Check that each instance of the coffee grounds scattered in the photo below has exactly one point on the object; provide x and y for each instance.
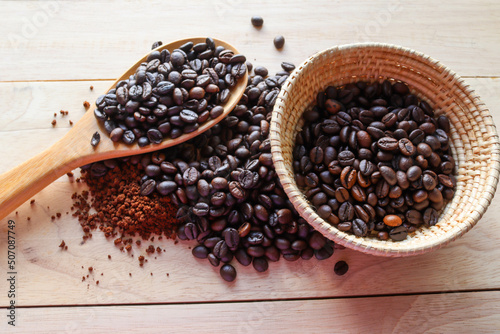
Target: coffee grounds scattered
(113, 205)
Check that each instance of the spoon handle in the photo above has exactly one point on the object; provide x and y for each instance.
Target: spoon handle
(24, 181)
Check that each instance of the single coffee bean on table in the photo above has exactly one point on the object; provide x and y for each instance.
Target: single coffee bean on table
(172, 93)
(389, 166)
(279, 42)
(257, 21)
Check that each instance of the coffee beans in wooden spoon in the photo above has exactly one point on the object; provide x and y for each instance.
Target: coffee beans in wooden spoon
(75, 148)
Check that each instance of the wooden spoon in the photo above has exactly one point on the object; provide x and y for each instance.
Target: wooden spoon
(74, 149)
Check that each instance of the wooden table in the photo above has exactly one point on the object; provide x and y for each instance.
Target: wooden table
(51, 53)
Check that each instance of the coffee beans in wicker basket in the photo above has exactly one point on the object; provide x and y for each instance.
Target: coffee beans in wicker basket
(373, 159)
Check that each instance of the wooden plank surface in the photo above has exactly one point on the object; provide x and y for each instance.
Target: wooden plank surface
(70, 41)
(51, 67)
(477, 312)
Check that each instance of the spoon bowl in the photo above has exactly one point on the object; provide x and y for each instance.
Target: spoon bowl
(74, 149)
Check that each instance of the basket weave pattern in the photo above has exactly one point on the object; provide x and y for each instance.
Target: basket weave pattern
(475, 143)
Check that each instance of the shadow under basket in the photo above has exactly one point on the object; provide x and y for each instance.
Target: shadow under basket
(474, 140)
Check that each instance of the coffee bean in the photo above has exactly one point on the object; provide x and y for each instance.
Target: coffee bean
(316, 240)
(190, 176)
(359, 227)
(220, 249)
(257, 21)
(444, 123)
(237, 190)
(333, 107)
(148, 187)
(341, 268)
(398, 233)
(392, 220)
(413, 173)
(228, 273)
(279, 41)
(191, 231)
(200, 252)
(420, 196)
(346, 211)
(260, 264)
(316, 155)
(289, 67)
(232, 237)
(325, 252)
(430, 217)
(406, 147)
(389, 175)
(387, 144)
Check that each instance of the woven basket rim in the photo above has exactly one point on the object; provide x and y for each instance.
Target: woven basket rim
(368, 245)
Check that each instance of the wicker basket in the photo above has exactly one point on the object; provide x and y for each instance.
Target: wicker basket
(475, 144)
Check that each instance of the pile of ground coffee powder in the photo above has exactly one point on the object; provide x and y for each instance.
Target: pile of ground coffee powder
(114, 205)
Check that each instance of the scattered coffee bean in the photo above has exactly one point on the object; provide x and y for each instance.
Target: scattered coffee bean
(341, 268)
(257, 21)
(228, 273)
(279, 42)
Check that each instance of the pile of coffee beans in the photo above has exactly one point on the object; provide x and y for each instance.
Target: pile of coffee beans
(171, 93)
(229, 196)
(373, 159)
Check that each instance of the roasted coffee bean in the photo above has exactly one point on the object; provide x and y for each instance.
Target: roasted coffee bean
(148, 187)
(406, 147)
(346, 158)
(316, 155)
(228, 273)
(392, 220)
(382, 189)
(435, 196)
(430, 217)
(279, 41)
(398, 233)
(346, 211)
(414, 217)
(191, 176)
(200, 252)
(413, 173)
(232, 237)
(260, 264)
(388, 174)
(444, 123)
(359, 227)
(341, 268)
(316, 240)
(344, 226)
(342, 194)
(323, 253)
(420, 196)
(237, 190)
(387, 144)
(363, 139)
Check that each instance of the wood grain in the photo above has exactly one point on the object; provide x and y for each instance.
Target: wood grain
(52, 51)
(477, 312)
(45, 265)
(68, 34)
